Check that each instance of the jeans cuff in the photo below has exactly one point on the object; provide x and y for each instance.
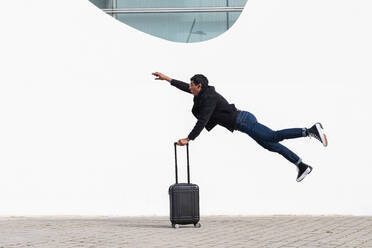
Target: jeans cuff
(304, 132)
(299, 162)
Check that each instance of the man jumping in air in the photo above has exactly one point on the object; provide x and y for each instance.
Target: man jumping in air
(210, 108)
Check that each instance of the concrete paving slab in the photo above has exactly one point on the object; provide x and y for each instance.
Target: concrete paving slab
(216, 231)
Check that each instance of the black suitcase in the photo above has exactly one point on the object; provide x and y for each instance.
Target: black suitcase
(184, 199)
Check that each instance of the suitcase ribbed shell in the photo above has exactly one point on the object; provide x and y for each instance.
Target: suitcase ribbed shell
(184, 203)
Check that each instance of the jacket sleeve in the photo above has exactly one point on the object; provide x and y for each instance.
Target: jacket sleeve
(204, 116)
(180, 85)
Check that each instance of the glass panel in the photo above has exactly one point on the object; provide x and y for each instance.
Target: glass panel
(102, 4)
(232, 17)
(236, 3)
(179, 27)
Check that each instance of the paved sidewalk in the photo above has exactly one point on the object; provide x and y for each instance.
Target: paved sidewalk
(216, 232)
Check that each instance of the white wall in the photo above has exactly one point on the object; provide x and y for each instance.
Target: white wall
(84, 128)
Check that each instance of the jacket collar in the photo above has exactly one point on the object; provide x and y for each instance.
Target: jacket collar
(203, 90)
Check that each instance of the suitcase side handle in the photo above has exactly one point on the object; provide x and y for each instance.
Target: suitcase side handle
(188, 163)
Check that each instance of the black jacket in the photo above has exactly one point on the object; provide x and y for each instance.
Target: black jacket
(210, 108)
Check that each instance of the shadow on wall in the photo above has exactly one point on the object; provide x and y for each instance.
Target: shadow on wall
(179, 21)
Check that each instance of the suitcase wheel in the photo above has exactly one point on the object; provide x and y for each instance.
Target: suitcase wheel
(197, 225)
(175, 226)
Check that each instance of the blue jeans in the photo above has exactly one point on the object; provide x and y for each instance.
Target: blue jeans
(267, 138)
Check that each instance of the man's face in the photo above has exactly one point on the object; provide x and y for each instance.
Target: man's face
(195, 89)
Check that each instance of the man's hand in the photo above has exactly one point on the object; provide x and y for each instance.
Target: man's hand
(160, 76)
(183, 142)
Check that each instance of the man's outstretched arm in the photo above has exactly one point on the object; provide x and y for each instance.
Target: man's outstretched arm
(161, 76)
(176, 83)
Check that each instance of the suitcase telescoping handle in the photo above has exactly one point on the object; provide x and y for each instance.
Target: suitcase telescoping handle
(188, 166)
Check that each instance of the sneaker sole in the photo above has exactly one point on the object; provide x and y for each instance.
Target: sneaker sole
(306, 172)
(323, 137)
